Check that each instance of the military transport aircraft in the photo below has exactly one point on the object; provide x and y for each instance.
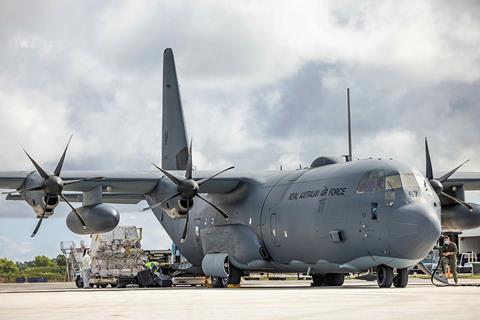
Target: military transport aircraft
(336, 217)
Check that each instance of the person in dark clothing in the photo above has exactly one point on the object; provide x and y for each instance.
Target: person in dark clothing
(449, 257)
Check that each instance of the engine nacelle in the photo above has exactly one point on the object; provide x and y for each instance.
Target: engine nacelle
(98, 218)
(50, 203)
(185, 204)
(38, 201)
(457, 217)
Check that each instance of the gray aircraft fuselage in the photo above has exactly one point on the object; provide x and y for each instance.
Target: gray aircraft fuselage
(343, 217)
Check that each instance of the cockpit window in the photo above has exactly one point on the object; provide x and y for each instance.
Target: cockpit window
(372, 181)
(393, 182)
(401, 180)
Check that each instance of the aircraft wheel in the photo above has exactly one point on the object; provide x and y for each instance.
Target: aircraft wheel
(219, 282)
(318, 280)
(334, 279)
(384, 276)
(234, 278)
(235, 275)
(79, 282)
(401, 279)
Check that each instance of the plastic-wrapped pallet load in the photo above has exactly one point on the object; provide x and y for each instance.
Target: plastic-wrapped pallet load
(117, 253)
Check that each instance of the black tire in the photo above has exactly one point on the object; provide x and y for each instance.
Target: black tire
(79, 282)
(219, 282)
(103, 285)
(384, 276)
(91, 285)
(401, 279)
(334, 279)
(318, 280)
(235, 275)
(113, 285)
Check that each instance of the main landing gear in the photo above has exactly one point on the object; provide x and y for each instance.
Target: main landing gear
(386, 277)
(234, 278)
(329, 279)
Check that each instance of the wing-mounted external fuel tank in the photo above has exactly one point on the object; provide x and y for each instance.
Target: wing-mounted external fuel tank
(98, 218)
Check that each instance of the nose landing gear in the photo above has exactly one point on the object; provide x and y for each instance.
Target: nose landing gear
(401, 279)
(385, 277)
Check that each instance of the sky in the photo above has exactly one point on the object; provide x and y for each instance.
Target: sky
(262, 82)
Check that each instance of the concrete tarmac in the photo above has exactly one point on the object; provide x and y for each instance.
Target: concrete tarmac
(254, 300)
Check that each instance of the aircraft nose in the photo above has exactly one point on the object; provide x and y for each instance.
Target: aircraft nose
(414, 229)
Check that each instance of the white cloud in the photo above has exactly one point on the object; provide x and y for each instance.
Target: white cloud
(14, 249)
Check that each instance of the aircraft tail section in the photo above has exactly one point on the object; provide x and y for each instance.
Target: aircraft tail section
(174, 134)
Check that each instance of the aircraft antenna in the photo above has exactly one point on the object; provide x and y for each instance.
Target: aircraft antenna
(349, 127)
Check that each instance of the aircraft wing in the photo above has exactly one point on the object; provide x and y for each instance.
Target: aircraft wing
(469, 180)
(118, 187)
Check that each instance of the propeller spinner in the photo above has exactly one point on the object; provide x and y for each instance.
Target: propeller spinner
(188, 189)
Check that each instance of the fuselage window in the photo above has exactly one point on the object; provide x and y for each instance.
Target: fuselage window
(372, 181)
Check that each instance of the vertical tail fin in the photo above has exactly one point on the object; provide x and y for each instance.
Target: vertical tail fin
(174, 135)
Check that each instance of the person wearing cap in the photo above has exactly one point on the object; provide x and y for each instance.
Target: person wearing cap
(449, 257)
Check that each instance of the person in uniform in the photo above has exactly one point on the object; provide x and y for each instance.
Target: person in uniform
(449, 257)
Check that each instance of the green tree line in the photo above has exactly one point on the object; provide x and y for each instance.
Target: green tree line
(41, 267)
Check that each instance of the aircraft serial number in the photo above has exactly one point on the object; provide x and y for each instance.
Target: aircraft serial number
(315, 193)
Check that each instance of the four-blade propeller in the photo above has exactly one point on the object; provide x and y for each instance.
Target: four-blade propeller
(187, 190)
(437, 183)
(52, 185)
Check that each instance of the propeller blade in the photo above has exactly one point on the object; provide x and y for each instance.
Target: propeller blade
(448, 174)
(216, 174)
(185, 230)
(188, 172)
(75, 210)
(38, 225)
(429, 172)
(37, 166)
(446, 195)
(23, 190)
(58, 169)
(161, 202)
(169, 175)
(214, 206)
(66, 183)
